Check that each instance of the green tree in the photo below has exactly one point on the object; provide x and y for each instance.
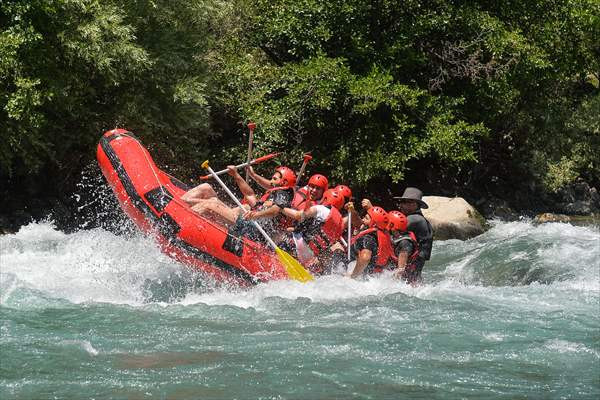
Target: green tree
(486, 93)
(73, 68)
(376, 88)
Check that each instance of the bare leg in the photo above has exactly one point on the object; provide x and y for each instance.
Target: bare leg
(201, 192)
(216, 206)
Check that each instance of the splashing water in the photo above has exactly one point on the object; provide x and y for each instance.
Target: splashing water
(512, 313)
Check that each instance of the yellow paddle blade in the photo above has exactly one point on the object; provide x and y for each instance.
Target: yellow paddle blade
(294, 269)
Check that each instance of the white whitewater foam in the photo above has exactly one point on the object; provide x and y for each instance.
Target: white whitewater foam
(327, 289)
(36, 232)
(83, 344)
(98, 266)
(564, 346)
(86, 266)
(557, 250)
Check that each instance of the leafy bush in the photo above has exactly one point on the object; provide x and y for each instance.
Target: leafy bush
(377, 90)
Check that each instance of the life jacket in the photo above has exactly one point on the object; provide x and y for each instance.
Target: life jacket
(265, 196)
(301, 199)
(411, 266)
(426, 242)
(328, 232)
(384, 246)
(281, 221)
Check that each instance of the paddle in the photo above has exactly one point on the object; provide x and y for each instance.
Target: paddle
(251, 127)
(294, 269)
(307, 158)
(252, 162)
(349, 228)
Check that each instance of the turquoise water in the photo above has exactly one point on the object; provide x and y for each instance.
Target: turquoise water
(514, 313)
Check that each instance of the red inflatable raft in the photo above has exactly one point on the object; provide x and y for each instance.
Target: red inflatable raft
(152, 199)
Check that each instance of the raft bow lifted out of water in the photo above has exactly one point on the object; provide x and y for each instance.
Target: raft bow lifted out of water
(152, 199)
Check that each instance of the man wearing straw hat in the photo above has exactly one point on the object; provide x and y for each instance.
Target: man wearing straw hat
(410, 204)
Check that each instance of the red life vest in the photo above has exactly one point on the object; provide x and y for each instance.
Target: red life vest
(384, 245)
(301, 199)
(330, 232)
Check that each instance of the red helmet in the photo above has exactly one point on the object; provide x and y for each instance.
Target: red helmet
(333, 198)
(398, 221)
(379, 217)
(288, 175)
(319, 181)
(344, 191)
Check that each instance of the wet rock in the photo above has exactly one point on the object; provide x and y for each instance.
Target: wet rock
(549, 217)
(580, 220)
(578, 198)
(453, 218)
(496, 208)
(5, 225)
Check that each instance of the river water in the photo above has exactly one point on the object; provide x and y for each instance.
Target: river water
(513, 313)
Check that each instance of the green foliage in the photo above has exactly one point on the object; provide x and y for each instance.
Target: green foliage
(376, 89)
(560, 174)
(348, 88)
(73, 68)
(578, 147)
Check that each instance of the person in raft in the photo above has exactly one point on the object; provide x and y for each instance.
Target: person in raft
(338, 255)
(317, 229)
(372, 247)
(198, 194)
(405, 247)
(348, 210)
(205, 191)
(346, 193)
(312, 193)
(266, 209)
(410, 204)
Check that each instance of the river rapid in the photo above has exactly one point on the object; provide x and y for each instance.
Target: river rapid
(513, 313)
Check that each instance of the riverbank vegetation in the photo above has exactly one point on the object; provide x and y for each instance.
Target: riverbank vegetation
(480, 99)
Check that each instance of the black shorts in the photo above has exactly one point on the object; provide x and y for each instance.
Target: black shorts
(246, 228)
(412, 274)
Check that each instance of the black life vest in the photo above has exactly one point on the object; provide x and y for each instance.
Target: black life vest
(281, 221)
(384, 246)
(412, 258)
(265, 196)
(414, 264)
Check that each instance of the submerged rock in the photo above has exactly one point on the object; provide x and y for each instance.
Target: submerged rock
(581, 220)
(549, 217)
(453, 218)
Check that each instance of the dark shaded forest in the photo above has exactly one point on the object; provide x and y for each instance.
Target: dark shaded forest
(494, 101)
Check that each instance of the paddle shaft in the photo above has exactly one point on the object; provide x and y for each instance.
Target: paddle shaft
(307, 158)
(349, 232)
(251, 126)
(242, 165)
(230, 193)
